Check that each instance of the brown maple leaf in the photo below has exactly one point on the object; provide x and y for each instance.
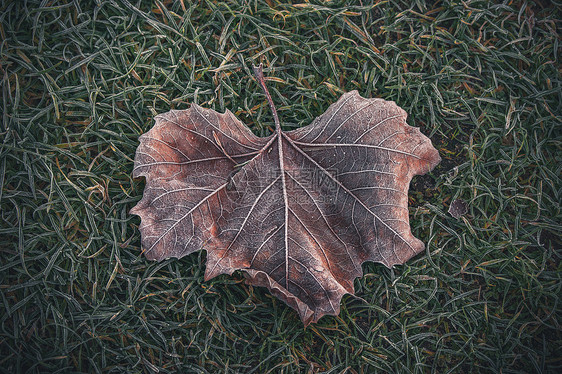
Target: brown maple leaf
(298, 211)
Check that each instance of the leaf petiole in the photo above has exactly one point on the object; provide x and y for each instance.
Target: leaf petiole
(258, 72)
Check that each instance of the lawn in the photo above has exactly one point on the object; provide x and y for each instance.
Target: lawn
(82, 80)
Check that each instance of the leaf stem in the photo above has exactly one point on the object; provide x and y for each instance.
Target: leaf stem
(258, 72)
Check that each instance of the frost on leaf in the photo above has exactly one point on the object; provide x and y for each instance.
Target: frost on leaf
(298, 211)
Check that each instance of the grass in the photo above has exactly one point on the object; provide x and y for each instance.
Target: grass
(80, 82)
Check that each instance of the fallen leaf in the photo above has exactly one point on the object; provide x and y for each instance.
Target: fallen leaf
(298, 211)
(458, 208)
